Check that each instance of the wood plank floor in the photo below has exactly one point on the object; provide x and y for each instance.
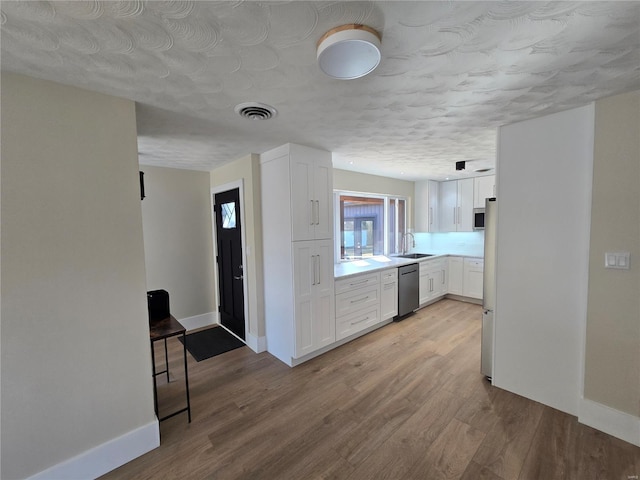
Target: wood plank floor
(404, 402)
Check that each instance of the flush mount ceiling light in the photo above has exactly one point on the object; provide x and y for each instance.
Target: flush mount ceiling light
(255, 111)
(349, 51)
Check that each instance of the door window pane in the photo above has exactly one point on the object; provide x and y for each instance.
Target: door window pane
(228, 211)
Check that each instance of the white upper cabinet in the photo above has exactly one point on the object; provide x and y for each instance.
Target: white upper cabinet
(426, 206)
(483, 188)
(311, 189)
(456, 205)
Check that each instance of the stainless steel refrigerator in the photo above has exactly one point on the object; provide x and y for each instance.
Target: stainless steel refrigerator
(488, 286)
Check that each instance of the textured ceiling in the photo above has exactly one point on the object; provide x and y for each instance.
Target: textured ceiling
(451, 72)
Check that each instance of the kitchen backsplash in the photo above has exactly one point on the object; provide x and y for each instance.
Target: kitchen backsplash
(454, 243)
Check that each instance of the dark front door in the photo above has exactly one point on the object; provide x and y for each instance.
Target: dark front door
(229, 261)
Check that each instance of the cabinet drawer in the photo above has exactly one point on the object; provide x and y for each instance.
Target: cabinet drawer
(436, 264)
(474, 263)
(359, 281)
(350, 324)
(389, 275)
(356, 300)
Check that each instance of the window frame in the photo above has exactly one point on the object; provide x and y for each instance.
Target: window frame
(385, 218)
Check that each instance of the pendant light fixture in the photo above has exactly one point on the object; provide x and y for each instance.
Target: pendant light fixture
(349, 51)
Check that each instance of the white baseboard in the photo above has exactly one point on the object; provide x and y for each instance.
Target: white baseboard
(609, 420)
(106, 457)
(199, 321)
(257, 344)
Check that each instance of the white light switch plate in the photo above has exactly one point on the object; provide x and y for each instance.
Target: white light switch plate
(616, 260)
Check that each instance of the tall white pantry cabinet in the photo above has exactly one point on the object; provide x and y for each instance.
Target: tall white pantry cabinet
(297, 230)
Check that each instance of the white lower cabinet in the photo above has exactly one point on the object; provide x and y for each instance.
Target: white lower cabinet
(425, 286)
(358, 299)
(357, 321)
(473, 277)
(357, 304)
(389, 293)
(314, 323)
(456, 275)
(433, 279)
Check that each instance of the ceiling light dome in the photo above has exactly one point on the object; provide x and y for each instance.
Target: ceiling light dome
(349, 51)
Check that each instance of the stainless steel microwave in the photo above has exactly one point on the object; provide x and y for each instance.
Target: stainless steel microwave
(478, 218)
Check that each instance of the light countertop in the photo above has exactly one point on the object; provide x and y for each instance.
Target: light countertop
(373, 264)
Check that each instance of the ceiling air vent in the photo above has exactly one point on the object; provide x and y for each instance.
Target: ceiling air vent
(255, 111)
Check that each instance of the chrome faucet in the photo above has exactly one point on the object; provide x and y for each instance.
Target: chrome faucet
(404, 241)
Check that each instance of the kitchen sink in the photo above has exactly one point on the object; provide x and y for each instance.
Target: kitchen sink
(415, 255)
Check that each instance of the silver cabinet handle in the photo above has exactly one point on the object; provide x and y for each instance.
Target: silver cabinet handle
(459, 215)
(313, 257)
(318, 267)
(317, 212)
(430, 215)
(312, 216)
(360, 321)
(360, 299)
(240, 277)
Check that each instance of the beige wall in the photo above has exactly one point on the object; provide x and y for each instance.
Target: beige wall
(362, 182)
(76, 368)
(612, 356)
(176, 219)
(247, 169)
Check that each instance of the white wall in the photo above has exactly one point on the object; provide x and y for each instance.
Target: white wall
(612, 357)
(544, 198)
(176, 219)
(77, 396)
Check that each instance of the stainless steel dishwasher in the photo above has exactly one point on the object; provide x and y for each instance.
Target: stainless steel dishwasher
(408, 290)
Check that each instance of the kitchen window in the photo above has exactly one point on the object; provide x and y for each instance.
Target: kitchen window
(369, 225)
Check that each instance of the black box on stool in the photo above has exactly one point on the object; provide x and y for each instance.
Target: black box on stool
(158, 304)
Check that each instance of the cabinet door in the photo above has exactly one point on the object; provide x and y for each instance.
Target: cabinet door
(389, 294)
(456, 269)
(473, 277)
(311, 198)
(305, 272)
(441, 274)
(303, 206)
(324, 315)
(424, 288)
(465, 205)
(434, 189)
(322, 198)
(448, 211)
(314, 322)
(422, 206)
(483, 188)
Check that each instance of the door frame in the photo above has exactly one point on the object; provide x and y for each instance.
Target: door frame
(239, 184)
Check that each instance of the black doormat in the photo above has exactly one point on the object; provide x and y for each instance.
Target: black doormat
(211, 342)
